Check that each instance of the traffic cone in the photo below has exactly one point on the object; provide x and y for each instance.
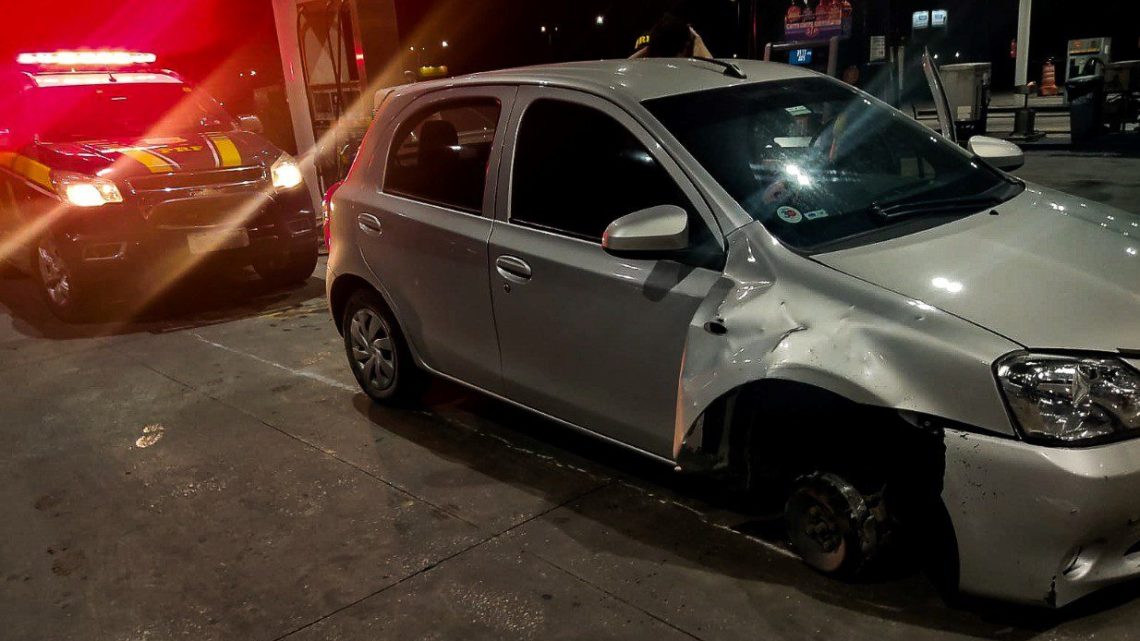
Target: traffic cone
(1049, 79)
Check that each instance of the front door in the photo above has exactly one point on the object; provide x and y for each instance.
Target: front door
(585, 336)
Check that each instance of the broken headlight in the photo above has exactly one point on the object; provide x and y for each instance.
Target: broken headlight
(1071, 399)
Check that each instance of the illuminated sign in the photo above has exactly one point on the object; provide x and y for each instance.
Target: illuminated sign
(831, 18)
(939, 18)
(800, 57)
(920, 20)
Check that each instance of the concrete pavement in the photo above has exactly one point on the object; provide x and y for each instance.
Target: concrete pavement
(211, 472)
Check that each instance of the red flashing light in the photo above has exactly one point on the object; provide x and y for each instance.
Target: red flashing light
(96, 58)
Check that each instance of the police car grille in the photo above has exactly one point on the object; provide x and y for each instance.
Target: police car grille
(216, 179)
(235, 210)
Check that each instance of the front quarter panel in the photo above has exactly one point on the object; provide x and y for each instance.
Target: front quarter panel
(790, 318)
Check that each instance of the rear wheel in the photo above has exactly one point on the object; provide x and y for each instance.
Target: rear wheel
(67, 293)
(288, 268)
(377, 352)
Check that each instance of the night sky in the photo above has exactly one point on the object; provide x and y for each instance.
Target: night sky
(201, 39)
(214, 41)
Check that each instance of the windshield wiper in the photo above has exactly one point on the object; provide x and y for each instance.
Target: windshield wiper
(893, 210)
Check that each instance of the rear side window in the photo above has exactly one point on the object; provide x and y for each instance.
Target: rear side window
(440, 155)
(577, 170)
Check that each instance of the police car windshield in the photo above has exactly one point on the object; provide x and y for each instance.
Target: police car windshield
(69, 113)
(822, 166)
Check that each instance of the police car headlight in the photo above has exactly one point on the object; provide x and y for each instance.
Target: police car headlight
(1071, 399)
(286, 173)
(85, 191)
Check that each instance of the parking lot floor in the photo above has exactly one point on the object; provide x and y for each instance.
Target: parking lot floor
(211, 471)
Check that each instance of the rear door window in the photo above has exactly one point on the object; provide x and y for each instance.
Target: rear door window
(440, 154)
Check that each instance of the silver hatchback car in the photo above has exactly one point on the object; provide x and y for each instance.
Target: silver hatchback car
(758, 272)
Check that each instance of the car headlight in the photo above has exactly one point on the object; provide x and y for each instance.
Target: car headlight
(1070, 399)
(81, 190)
(286, 173)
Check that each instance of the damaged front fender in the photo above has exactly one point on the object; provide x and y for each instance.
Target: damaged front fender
(775, 315)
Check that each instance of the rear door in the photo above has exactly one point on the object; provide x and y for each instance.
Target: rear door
(424, 230)
(585, 336)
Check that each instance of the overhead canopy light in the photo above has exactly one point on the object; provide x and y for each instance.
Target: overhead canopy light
(97, 58)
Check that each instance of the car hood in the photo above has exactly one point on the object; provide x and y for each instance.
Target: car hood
(1049, 271)
(159, 154)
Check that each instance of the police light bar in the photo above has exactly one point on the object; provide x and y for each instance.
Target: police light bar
(101, 58)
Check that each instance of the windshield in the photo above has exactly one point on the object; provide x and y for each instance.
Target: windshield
(815, 161)
(110, 111)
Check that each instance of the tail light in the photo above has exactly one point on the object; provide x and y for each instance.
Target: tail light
(327, 209)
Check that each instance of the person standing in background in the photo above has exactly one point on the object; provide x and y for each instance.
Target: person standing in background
(672, 37)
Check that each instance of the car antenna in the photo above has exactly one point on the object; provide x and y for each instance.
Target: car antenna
(730, 69)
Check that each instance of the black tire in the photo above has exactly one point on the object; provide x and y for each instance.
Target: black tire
(288, 268)
(69, 295)
(377, 352)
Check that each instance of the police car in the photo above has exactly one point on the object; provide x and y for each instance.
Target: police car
(113, 170)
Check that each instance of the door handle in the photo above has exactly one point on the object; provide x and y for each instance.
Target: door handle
(370, 224)
(513, 268)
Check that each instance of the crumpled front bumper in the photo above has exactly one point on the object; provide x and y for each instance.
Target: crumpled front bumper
(1042, 525)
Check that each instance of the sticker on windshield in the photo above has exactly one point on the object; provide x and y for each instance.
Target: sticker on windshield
(812, 215)
(798, 110)
(789, 215)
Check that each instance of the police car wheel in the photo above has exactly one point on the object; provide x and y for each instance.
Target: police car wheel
(289, 268)
(65, 292)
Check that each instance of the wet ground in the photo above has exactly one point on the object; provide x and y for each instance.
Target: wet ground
(212, 472)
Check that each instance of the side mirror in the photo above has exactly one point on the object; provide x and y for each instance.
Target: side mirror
(251, 124)
(1000, 153)
(648, 233)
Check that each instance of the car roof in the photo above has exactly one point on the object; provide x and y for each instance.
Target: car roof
(638, 79)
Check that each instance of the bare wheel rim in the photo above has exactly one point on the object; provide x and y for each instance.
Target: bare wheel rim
(816, 532)
(54, 272)
(373, 354)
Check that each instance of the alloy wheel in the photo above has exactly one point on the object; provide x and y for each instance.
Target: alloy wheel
(54, 273)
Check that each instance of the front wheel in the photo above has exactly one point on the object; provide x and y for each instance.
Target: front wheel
(288, 268)
(377, 352)
(67, 293)
(835, 528)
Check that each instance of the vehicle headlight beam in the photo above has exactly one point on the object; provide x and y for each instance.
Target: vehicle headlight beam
(286, 173)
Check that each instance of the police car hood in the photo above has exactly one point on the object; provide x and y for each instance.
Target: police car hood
(161, 154)
(1049, 271)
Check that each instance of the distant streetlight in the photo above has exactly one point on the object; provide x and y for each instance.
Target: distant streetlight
(542, 28)
(443, 44)
(600, 20)
(253, 72)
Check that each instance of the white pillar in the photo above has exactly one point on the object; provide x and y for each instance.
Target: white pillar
(1021, 75)
(285, 15)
